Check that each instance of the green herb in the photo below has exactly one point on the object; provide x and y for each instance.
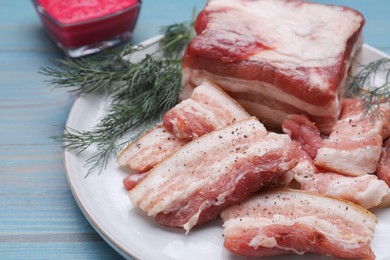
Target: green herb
(372, 85)
(141, 91)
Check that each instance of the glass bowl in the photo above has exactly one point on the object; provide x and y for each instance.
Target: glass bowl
(89, 36)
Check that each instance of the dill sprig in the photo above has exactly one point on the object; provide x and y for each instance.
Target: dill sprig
(372, 85)
(140, 92)
(103, 73)
(177, 36)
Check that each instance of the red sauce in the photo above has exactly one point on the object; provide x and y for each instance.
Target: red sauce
(73, 11)
(79, 23)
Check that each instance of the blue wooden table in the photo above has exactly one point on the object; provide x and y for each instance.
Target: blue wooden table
(39, 218)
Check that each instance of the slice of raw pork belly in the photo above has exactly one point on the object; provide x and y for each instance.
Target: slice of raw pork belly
(292, 221)
(213, 172)
(355, 144)
(209, 108)
(365, 190)
(149, 149)
(275, 57)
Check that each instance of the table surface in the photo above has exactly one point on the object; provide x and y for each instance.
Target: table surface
(39, 217)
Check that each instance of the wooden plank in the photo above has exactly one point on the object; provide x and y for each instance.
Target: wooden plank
(58, 250)
(39, 218)
(35, 196)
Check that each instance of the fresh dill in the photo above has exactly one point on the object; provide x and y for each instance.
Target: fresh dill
(372, 85)
(141, 92)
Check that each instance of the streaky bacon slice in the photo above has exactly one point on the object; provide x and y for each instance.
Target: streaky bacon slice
(365, 190)
(212, 172)
(149, 149)
(354, 146)
(208, 109)
(293, 221)
(383, 169)
(275, 69)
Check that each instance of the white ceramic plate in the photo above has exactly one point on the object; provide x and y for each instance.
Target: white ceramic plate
(105, 203)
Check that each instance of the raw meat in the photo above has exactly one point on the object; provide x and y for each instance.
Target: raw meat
(301, 129)
(292, 221)
(383, 169)
(208, 109)
(384, 114)
(275, 57)
(212, 172)
(365, 190)
(355, 144)
(132, 180)
(148, 150)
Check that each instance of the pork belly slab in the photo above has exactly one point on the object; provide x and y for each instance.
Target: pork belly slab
(212, 172)
(209, 108)
(292, 221)
(275, 57)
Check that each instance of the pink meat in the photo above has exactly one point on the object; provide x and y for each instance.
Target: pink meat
(296, 238)
(354, 145)
(275, 69)
(209, 108)
(365, 190)
(130, 181)
(385, 117)
(240, 182)
(188, 120)
(301, 129)
(292, 221)
(215, 171)
(352, 107)
(383, 169)
(149, 149)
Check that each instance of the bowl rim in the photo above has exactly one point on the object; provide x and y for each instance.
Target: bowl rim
(41, 11)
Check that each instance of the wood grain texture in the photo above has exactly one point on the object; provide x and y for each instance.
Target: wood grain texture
(39, 219)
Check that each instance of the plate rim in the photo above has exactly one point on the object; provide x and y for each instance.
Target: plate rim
(88, 215)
